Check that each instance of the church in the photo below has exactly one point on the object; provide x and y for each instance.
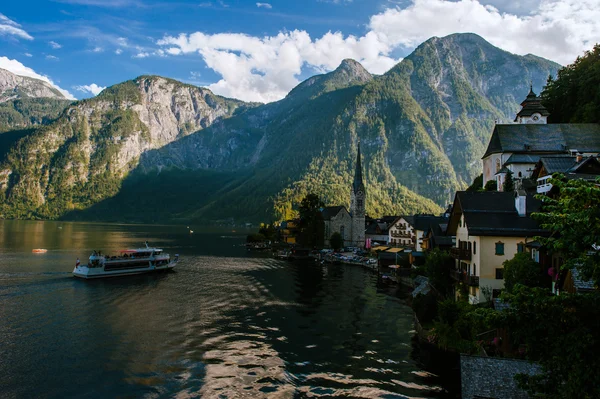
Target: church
(351, 225)
(518, 147)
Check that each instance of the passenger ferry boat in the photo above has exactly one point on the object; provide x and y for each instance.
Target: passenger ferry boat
(129, 261)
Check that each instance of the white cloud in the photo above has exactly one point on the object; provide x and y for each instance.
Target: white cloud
(17, 68)
(559, 29)
(93, 88)
(28, 54)
(97, 49)
(266, 68)
(264, 5)
(54, 45)
(141, 54)
(52, 57)
(118, 51)
(8, 27)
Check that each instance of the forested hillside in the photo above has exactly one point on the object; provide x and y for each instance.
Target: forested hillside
(574, 95)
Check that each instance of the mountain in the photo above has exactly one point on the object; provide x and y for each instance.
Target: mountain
(26, 102)
(14, 87)
(152, 141)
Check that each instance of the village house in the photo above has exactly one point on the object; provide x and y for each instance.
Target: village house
(490, 228)
(377, 231)
(518, 147)
(578, 167)
(409, 231)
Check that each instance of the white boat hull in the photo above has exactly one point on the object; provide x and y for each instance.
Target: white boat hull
(82, 271)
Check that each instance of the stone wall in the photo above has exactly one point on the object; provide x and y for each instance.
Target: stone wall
(489, 377)
(344, 219)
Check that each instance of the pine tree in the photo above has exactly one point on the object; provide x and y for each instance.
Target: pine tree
(509, 183)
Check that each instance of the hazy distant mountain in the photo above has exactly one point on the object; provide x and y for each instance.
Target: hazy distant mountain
(156, 149)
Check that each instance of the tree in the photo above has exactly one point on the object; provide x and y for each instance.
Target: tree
(477, 184)
(573, 219)
(312, 227)
(574, 96)
(336, 241)
(509, 183)
(523, 270)
(438, 265)
(491, 185)
(562, 334)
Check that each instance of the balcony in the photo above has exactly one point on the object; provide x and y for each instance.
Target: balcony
(473, 281)
(460, 253)
(462, 277)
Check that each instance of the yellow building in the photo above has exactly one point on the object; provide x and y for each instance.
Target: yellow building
(490, 228)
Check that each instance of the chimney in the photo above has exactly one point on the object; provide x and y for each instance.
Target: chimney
(521, 202)
(579, 157)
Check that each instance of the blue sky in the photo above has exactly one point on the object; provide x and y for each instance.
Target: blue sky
(260, 50)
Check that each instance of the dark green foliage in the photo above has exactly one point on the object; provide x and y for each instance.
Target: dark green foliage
(562, 334)
(438, 265)
(268, 231)
(509, 183)
(491, 185)
(574, 222)
(312, 228)
(525, 271)
(336, 241)
(574, 96)
(256, 237)
(26, 112)
(425, 307)
(143, 198)
(477, 184)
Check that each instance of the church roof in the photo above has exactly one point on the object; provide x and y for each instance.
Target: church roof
(531, 105)
(332, 211)
(522, 158)
(544, 138)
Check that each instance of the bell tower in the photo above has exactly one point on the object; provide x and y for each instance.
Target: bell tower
(357, 204)
(532, 110)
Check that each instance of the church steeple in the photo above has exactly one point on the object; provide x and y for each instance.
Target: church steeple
(532, 110)
(358, 184)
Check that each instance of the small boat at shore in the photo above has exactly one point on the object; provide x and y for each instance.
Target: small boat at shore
(39, 251)
(129, 261)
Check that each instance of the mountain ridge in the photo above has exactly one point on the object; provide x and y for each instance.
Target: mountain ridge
(422, 126)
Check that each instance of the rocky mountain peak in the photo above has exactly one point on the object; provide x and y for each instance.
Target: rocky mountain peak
(14, 87)
(354, 70)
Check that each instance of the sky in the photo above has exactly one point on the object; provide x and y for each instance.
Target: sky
(259, 51)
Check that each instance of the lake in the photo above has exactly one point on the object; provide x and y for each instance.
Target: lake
(224, 324)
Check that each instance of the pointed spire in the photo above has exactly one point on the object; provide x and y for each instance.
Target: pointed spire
(358, 176)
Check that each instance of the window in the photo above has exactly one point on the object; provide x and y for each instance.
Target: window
(359, 203)
(499, 248)
(497, 165)
(342, 232)
(474, 269)
(499, 274)
(474, 247)
(520, 248)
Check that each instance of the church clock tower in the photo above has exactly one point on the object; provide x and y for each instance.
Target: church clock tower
(357, 205)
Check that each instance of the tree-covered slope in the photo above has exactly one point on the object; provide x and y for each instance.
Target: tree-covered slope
(83, 157)
(574, 95)
(27, 112)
